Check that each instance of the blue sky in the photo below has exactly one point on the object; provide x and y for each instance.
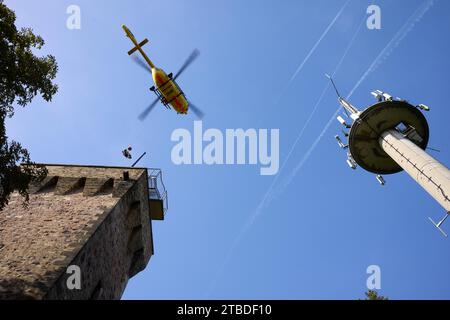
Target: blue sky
(318, 236)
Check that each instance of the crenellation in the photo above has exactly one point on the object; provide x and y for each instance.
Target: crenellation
(67, 185)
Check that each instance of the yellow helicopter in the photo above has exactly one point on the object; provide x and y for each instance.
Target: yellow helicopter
(166, 89)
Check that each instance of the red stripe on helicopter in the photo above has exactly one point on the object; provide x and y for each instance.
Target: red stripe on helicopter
(159, 79)
(178, 103)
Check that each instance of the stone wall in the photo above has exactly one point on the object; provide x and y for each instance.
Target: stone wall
(84, 216)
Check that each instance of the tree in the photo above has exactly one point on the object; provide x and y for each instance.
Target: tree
(373, 295)
(22, 77)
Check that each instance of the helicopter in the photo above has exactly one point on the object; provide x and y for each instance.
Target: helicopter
(166, 88)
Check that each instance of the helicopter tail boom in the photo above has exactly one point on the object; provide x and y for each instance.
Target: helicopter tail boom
(137, 46)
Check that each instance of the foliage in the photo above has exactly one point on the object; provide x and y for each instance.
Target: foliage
(23, 76)
(373, 295)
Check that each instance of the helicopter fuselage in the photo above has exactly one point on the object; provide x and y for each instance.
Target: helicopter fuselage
(169, 91)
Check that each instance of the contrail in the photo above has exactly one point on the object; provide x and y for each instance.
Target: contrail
(319, 41)
(396, 40)
(384, 54)
(265, 201)
(308, 153)
(324, 34)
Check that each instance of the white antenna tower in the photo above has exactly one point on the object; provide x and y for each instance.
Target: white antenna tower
(391, 136)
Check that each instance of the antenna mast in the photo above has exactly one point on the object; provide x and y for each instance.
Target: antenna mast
(350, 110)
(391, 136)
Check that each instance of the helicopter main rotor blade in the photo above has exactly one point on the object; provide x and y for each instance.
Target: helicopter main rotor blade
(196, 110)
(145, 113)
(186, 64)
(141, 63)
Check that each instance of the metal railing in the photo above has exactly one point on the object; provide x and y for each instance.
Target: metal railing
(156, 188)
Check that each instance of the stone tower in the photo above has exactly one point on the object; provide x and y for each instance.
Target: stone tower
(86, 231)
